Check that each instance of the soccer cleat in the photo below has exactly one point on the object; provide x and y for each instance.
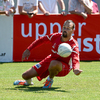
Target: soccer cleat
(22, 82)
(48, 84)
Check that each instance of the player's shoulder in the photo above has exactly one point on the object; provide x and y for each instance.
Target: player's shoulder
(53, 36)
(56, 34)
(74, 41)
(74, 45)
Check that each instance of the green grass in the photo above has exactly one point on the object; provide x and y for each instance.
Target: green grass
(83, 87)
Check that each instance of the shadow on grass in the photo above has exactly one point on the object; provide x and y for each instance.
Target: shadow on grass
(37, 89)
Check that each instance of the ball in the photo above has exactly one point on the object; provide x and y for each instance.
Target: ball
(64, 50)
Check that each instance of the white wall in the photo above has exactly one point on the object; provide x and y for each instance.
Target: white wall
(6, 38)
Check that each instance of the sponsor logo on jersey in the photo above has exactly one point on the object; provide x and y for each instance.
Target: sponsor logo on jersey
(38, 66)
(54, 45)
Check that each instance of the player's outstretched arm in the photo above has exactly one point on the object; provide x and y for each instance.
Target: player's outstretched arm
(25, 54)
(77, 71)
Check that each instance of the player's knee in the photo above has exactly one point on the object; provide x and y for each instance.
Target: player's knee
(24, 76)
(55, 65)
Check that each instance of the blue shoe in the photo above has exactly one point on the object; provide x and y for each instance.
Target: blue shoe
(48, 84)
(21, 82)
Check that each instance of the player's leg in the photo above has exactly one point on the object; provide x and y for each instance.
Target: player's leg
(30, 73)
(54, 68)
(27, 76)
(40, 70)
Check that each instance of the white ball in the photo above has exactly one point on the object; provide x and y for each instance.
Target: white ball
(64, 50)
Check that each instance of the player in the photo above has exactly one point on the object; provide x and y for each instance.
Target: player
(53, 65)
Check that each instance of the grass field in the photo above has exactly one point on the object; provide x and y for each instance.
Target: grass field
(83, 87)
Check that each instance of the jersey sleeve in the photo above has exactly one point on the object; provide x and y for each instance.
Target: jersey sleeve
(40, 41)
(75, 58)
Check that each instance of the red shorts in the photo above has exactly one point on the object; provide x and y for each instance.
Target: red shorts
(42, 68)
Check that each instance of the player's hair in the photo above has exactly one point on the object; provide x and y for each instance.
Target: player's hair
(70, 21)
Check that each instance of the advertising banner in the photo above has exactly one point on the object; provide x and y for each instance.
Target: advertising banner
(27, 30)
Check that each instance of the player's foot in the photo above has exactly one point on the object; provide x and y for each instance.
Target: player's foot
(48, 84)
(22, 82)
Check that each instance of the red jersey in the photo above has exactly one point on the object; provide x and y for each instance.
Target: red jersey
(55, 39)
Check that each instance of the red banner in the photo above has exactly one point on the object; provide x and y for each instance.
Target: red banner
(26, 30)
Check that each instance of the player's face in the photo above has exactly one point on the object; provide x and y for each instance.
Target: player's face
(67, 30)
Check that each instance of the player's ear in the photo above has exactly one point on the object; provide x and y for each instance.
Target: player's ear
(73, 29)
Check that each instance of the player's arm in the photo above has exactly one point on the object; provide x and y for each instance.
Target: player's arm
(25, 54)
(75, 61)
(34, 44)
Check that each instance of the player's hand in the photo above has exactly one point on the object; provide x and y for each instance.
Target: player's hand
(25, 54)
(77, 71)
